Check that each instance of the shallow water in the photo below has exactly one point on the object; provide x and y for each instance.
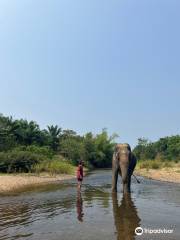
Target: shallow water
(60, 212)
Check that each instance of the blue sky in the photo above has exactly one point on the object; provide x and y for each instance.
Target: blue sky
(86, 65)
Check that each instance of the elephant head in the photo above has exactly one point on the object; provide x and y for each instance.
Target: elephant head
(123, 163)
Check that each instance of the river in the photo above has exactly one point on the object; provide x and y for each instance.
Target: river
(60, 212)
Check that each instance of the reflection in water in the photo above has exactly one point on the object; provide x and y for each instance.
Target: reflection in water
(126, 218)
(11, 215)
(94, 193)
(45, 212)
(79, 206)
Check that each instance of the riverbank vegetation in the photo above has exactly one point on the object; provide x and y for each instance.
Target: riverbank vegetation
(164, 153)
(24, 147)
(57, 165)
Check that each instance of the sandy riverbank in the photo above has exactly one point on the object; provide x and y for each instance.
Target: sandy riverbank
(10, 183)
(164, 174)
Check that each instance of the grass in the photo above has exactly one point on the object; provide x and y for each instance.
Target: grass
(155, 164)
(57, 165)
(149, 164)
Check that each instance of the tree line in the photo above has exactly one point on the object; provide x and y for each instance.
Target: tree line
(165, 149)
(23, 144)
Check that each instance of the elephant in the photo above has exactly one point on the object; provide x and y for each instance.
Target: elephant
(126, 218)
(123, 162)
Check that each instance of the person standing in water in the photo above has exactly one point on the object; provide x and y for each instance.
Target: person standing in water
(80, 174)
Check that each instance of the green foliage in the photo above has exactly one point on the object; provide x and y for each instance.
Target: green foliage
(103, 150)
(25, 132)
(167, 148)
(58, 165)
(7, 139)
(24, 146)
(94, 150)
(53, 136)
(150, 164)
(143, 164)
(18, 161)
(167, 164)
(72, 149)
(21, 136)
(45, 151)
(89, 149)
(155, 165)
(20, 132)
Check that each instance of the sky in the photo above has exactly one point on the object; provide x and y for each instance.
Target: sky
(89, 65)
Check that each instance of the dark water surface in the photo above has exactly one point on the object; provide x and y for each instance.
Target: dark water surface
(59, 212)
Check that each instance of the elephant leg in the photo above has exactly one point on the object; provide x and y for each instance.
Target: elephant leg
(127, 185)
(115, 178)
(125, 177)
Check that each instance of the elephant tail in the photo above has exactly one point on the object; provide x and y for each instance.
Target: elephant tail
(136, 179)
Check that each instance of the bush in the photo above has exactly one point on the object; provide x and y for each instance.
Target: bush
(150, 164)
(18, 161)
(155, 165)
(143, 164)
(57, 165)
(167, 164)
(44, 151)
(166, 148)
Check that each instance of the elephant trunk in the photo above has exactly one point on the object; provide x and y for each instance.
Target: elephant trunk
(124, 172)
(124, 166)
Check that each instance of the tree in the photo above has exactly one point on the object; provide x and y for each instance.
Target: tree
(7, 140)
(89, 149)
(167, 148)
(99, 148)
(71, 145)
(54, 135)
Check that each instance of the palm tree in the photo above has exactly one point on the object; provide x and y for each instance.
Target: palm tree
(25, 132)
(54, 134)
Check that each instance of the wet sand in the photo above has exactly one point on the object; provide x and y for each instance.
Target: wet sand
(15, 182)
(164, 174)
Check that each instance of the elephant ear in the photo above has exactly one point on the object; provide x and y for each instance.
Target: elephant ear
(129, 148)
(132, 164)
(133, 159)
